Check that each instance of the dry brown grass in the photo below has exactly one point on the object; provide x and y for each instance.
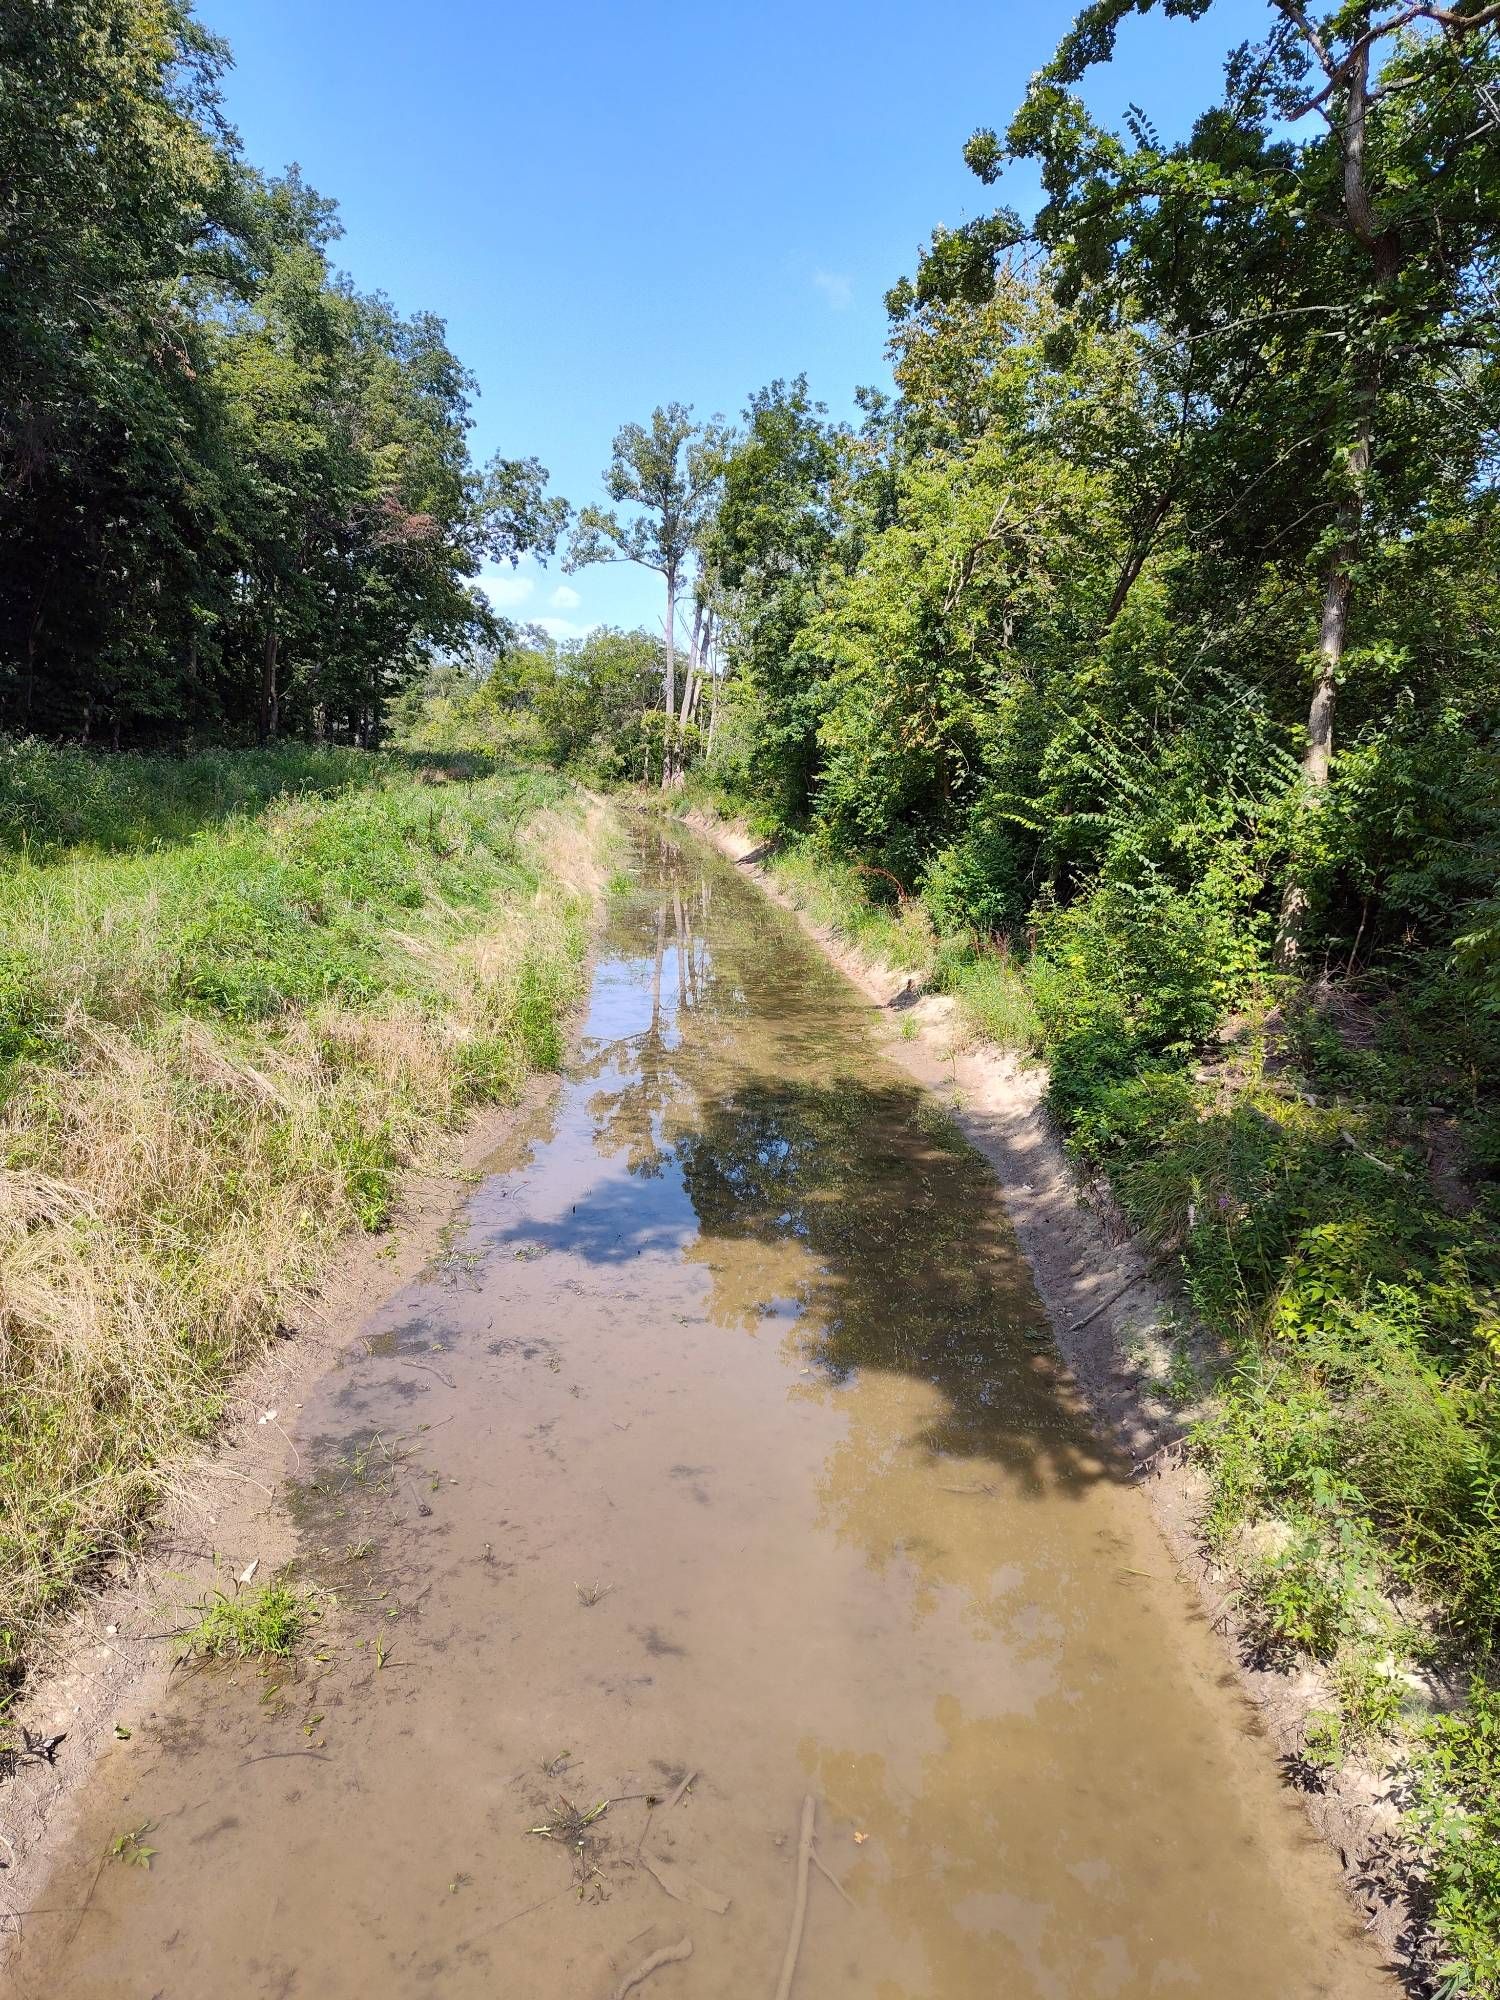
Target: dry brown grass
(173, 1185)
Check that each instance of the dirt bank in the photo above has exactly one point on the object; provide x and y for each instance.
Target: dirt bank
(1107, 1313)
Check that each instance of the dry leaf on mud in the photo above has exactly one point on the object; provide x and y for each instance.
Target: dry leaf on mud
(681, 1886)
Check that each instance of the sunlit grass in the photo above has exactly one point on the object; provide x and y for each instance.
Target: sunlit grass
(262, 1622)
(216, 1058)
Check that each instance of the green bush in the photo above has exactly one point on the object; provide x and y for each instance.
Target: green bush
(1458, 1810)
(979, 884)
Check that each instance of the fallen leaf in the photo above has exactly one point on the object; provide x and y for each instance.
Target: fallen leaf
(681, 1886)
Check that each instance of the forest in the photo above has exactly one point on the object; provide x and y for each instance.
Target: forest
(236, 494)
(1129, 669)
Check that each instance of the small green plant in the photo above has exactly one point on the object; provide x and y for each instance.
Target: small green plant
(264, 1622)
(1323, 1739)
(1182, 1385)
(1458, 1812)
(1299, 1597)
(130, 1847)
(1370, 1696)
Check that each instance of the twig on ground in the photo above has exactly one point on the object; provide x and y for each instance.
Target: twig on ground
(668, 1955)
(1103, 1306)
(446, 1380)
(1144, 1464)
(682, 1887)
(1385, 1166)
(799, 1904)
(830, 1878)
(228, 1472)
(287, 1441)
(88, 1900)
(679, 1792)
(516, 1915)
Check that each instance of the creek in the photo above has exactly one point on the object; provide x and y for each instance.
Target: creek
(725, 1438)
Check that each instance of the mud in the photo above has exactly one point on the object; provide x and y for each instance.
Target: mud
(725, 1441)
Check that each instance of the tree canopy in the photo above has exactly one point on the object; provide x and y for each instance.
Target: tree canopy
(236, 493)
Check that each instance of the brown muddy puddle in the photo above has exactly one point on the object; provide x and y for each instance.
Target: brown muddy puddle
(724, 1439)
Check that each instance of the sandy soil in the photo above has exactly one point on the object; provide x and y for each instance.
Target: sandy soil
(1106, 1310)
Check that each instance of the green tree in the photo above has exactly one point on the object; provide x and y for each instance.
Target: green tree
(668, 472)
(118, 210)
(777, 524)
(235, 493)
(1336, 288)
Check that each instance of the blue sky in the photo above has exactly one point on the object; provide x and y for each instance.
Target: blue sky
(613, 206)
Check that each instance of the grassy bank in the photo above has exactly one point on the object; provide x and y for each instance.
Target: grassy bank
(238, 993)
(1312, 1163)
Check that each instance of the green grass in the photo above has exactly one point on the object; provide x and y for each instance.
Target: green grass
(57, 799)
(235, 1004)
(264, 1622)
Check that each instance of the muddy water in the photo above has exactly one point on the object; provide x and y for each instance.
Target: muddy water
(724, 1439)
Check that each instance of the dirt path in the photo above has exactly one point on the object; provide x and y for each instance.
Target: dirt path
(724, 1441)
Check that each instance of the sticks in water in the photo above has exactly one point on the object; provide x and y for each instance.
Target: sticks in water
(668, 1955)
(799, 1906)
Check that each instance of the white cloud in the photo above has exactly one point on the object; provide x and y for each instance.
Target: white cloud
(836, 288)
(564, 628)
(506, 589)
(565, 598)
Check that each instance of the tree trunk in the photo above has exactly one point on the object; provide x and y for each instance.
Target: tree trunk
(669, 681)
(268, 702)
(33, 633)
(1317, 757)
(703, 628)
(693, 651)
(1135, 561)
(713, 713)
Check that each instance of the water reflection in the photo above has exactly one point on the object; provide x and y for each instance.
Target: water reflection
(739, 1330)
(878, 1237)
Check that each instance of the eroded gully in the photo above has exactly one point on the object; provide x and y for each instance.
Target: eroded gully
(724, 1439)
